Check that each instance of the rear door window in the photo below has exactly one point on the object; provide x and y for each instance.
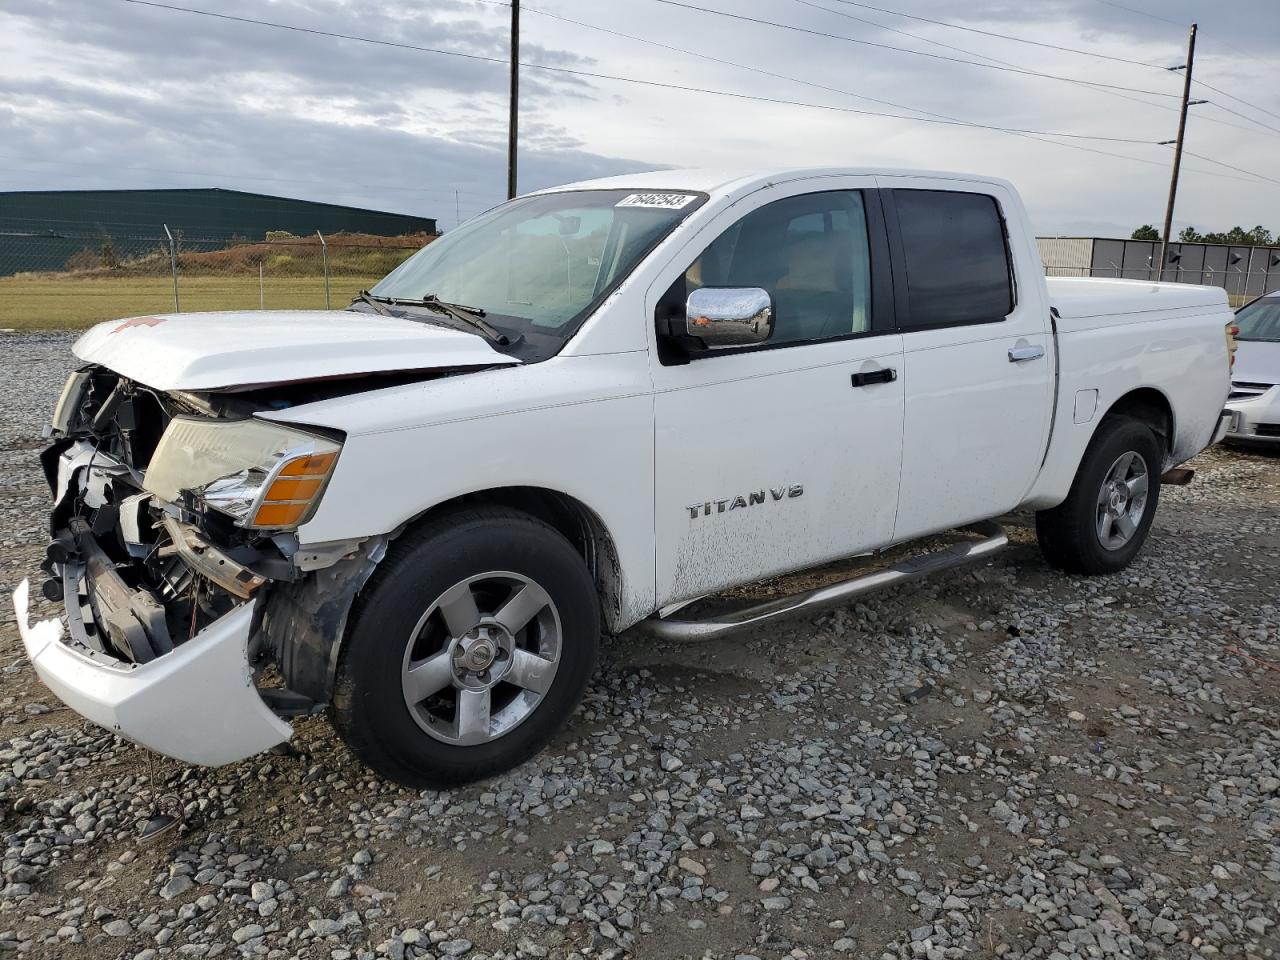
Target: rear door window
(955, 257)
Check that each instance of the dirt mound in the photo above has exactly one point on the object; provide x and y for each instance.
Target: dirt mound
(349, 254)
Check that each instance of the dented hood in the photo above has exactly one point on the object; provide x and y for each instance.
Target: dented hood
(219, 351)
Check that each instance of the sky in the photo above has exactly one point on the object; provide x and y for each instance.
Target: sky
(98, 94)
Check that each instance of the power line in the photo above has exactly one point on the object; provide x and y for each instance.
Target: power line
(1220, 163)
(793, 79)
(322, 33)
(915, 53)
(1232, 96)
(1243, 116)
(992, 33)
(1152, 16)
(1141, 13)
(914, 36)
(973, 53)
(1150, 163)
(572, 71)
(652, 83)
(1107, 92)
(1025, 40)
(708, 57)
(769, 73)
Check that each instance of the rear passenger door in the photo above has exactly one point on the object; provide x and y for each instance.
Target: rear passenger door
(977, 356)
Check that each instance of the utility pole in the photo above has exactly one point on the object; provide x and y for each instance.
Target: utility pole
(514, 119)
(457, 211)
(1177, 149)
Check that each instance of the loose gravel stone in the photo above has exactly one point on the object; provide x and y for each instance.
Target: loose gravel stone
(176, 886)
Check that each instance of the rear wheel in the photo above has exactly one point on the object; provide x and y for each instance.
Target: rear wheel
(1106, 517)
(468, 651)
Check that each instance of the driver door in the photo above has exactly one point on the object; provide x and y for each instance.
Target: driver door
(783, 455)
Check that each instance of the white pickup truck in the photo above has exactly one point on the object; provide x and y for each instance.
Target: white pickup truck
(575, 414)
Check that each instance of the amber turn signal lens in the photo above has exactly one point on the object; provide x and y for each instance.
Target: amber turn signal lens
(279, 514)
(318, 464)
(293, 492)
(288, 488)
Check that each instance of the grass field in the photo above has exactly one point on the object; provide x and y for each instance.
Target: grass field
(69, 303)
(52, 302)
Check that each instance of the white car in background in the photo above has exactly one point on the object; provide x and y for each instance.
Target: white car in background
(1255, 379)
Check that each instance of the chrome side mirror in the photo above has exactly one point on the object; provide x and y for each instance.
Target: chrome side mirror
(729, 316)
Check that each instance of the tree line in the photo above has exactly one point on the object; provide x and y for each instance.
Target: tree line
(1257, 237)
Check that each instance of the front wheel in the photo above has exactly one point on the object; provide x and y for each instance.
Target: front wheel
(468, 650)
(1106, 517)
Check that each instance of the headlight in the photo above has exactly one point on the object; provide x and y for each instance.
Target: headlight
(67, 410)
(262, 474)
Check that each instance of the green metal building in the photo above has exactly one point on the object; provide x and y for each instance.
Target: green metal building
(42, 229)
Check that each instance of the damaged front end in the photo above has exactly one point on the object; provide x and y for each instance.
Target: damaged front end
(195, 620)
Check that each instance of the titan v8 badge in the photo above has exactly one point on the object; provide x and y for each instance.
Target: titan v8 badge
(752, 499)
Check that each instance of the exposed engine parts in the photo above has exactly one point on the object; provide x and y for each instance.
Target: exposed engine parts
(142, 577)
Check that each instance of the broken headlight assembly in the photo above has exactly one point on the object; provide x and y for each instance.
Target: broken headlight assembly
(261, 474)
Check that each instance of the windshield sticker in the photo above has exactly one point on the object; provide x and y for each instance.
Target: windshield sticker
(657, 201)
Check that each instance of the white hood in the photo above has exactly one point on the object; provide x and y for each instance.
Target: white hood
(1257, 361)
(218, 351)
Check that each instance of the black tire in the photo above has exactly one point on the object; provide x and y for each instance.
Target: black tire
(1069, 536)
(369, 710)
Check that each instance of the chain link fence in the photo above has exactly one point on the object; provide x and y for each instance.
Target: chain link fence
(1244, 272)
(54, 278)
(1239, 284)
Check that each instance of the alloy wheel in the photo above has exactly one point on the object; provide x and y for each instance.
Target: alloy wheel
(1122, 500)
(481, 658)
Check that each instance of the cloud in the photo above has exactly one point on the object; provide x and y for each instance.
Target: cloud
(104, 93)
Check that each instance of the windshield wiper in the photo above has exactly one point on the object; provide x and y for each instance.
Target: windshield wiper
(473, 316)
(365, 297)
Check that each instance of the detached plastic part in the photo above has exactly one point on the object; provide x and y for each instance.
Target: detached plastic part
(197, 704)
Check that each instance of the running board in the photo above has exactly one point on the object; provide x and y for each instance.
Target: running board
(913, 568)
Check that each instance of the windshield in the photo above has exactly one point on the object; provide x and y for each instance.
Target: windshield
(1260, 320)
(538, 265)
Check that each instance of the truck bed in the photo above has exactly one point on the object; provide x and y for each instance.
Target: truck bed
(1085, 298)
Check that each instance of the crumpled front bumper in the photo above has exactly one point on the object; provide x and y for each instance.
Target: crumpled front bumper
(197, 703)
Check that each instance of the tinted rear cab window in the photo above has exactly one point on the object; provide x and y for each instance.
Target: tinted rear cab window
(955, 257)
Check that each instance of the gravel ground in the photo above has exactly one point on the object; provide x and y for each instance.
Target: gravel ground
(1083, 768)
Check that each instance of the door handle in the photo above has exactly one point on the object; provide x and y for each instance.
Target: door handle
(1023, 354)
(883, 375)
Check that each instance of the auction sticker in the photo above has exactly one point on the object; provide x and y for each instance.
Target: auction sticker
(658, 201)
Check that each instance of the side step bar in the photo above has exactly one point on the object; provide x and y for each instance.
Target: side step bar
(913, 568)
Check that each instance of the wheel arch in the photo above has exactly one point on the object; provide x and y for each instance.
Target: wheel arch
(1152, 407)
(569, 516)
(304, 624)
